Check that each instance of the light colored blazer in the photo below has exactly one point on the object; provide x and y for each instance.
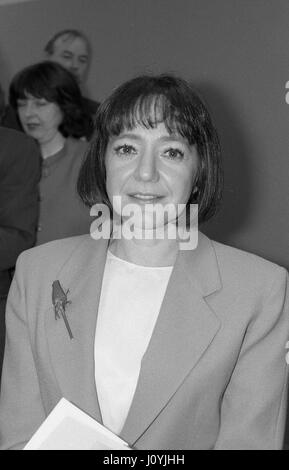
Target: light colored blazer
(214, 373)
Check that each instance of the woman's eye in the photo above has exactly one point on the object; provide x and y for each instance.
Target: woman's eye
(174, 154)
(41, 102)
(20, 103)
(125, 150)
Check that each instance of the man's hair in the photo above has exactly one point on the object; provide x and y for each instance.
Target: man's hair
(146, 101)
(57, 85)
(66, 34)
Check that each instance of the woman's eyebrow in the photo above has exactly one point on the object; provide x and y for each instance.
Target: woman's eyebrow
(173, 138)
(127, 135)
(164, 138)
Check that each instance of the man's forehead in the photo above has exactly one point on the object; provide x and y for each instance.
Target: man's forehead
(70, 42)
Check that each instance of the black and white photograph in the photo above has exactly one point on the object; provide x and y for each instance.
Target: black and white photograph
(144, 227)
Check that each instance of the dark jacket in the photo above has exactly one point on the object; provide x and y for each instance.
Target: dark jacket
(19, 176)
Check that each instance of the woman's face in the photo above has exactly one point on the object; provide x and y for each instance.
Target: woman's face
(39, 118)
(148, 167)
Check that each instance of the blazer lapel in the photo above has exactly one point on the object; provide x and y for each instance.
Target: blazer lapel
(184, 330)
(73, 360)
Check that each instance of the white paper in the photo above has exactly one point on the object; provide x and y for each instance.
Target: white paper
(69, 428)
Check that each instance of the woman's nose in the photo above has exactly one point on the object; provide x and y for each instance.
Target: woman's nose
(147, 167)
(29, 109)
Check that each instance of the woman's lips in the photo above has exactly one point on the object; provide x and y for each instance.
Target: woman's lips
(145, 197)
(32, 127)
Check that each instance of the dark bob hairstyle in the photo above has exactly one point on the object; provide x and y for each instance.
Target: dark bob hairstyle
(148, 100)
(57, 85)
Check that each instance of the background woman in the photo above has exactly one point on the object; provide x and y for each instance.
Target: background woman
(49, 104)
(171, 349)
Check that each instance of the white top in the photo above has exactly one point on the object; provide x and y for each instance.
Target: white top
(130, 302)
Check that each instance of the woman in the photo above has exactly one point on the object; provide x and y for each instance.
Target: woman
(49, 105)
(169, 348)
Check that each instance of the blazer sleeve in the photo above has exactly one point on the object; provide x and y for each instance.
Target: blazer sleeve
(19, 177)
(253, 410)
(21, 409)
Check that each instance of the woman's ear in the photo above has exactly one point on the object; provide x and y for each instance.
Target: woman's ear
(195, 191)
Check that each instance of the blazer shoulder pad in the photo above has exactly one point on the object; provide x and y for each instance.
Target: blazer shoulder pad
(53, 254)
(247, 268)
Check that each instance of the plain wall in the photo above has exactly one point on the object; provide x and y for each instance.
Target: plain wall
(236, 52)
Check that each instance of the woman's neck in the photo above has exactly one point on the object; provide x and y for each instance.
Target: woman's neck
(51, 147)
(146, 252)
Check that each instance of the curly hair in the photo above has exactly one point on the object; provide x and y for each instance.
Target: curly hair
(56, 84)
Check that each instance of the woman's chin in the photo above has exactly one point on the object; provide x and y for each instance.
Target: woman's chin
(34, 134)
